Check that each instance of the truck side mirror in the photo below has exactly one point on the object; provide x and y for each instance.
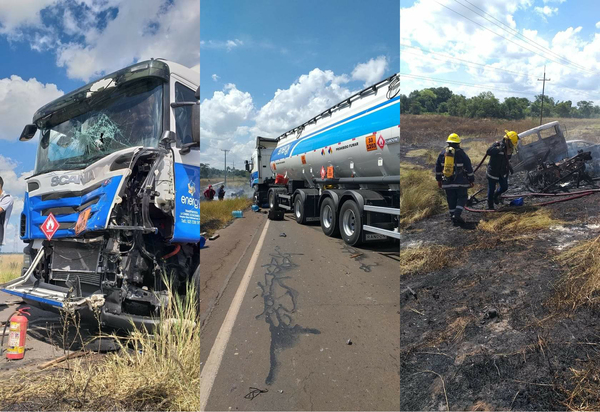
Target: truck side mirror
(197, 94)
(247, 165)
(28, 132)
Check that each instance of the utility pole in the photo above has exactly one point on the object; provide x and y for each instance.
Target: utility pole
(544, 80)
(225, 150)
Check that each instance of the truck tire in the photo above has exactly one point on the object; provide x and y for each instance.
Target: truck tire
(351, 223)
(196, 282)
(272, 200)
(299, 210)
(328, 218)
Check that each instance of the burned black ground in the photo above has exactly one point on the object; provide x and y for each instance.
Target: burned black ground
(485, 332)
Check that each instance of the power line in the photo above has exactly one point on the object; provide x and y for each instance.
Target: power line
(518, 34)
(448, 57)
(444, 81)
(506, 38)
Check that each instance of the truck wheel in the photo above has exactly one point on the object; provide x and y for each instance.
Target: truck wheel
(351, 223)
(299, 210)
(257, 199)
(272, 202)
(328, 218)
(196, 282)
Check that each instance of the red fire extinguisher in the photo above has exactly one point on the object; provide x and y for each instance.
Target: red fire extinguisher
(17, 334)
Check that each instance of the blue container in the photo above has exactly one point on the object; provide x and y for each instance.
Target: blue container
(237, 213)
(517, 202)
(255, 208)
(202, 241)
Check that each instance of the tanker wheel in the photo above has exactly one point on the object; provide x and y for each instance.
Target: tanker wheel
(329, 219)
(299, 210)
(351, 223)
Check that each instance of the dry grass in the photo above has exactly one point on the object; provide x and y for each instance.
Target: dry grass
(430, 155)
(436, 128)
(419, 196)
(424, 259)
(518, 222)
(10, 267)
(583, 393)
(157, 370)
(580, 285)
(215, 214)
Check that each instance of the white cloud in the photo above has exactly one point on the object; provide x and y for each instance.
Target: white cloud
(370, 72)
(19, 99)
(26, 14)
(431, 27)
(554, 1)
(598, 25)
(218, 44)
(546, 11)
(225, 112)
(215, 77)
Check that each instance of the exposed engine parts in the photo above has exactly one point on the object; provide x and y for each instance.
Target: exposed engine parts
(549, 174)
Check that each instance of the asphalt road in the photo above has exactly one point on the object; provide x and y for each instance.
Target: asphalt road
(307, 295)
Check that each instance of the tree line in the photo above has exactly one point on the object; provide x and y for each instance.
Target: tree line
(442, 100)
(207, 172)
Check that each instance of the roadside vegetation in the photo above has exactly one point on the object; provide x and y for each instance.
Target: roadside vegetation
(153, 370)
(216, 214)
(419, 196)
(424, 259)
(518, 222)
(10, 267)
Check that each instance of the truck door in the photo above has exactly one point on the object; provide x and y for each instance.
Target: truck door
(186, 166)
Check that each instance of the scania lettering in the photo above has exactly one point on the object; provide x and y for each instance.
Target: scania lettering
(111, 211)
(342, 167)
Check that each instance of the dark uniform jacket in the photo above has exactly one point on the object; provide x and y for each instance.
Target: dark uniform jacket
(499, 164)
(463, 171)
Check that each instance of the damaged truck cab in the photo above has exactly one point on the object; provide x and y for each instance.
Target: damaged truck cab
(112, 209)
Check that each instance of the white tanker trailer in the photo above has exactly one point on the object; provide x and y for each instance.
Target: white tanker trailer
(341, 168)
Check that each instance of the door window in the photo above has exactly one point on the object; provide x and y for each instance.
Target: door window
(183, 115)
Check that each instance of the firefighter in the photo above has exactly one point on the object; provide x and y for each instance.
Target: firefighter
(454, 174)
(499, 166)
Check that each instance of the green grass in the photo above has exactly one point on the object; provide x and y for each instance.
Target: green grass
(215, 214)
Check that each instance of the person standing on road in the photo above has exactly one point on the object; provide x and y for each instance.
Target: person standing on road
(221, 192)
(454, 174)
(6, 205)
(209, 193)
(499, 166)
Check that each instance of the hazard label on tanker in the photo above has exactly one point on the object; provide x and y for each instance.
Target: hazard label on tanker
(50, 226)
(303, 157)
(371, 144)
(380, 142)
(329, 172)
(323, 172)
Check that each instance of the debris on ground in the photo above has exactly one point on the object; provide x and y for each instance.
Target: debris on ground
(282, 234)
(63, 358)
(349, 342)
(254, 392)
(214, 237)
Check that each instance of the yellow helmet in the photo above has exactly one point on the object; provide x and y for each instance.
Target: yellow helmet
(513, 136)
(453, 138)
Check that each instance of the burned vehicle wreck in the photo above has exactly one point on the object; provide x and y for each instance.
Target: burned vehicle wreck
(551, 162)
(112, 209)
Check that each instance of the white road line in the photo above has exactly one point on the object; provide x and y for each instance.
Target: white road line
(213, 363)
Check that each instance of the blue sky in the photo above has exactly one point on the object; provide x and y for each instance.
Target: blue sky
(50, 47)
(251, 49)
(565, 28)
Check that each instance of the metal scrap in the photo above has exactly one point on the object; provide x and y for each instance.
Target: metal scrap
(567, 171)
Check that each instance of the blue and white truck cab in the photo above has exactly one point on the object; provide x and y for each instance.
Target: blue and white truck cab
(112, 208)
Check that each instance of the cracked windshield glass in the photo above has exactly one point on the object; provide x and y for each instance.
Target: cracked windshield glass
(116, 118)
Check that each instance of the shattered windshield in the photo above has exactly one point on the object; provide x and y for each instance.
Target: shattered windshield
(112, 120)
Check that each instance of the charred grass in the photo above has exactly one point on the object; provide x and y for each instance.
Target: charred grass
(153, 370)
(216, 214)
